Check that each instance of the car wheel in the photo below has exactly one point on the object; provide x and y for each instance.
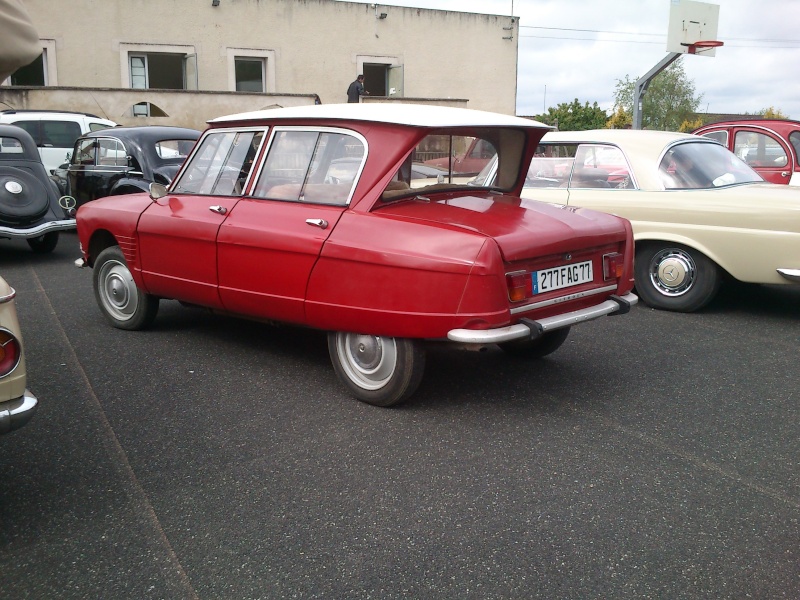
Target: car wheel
(122, 303)
(545, 344)
(44, 243)
(378, 370)
(674, 277)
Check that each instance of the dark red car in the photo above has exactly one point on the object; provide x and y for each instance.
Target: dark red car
(263, 222)
(770, 146)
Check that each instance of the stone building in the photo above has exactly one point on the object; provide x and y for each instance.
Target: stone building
(182, 62)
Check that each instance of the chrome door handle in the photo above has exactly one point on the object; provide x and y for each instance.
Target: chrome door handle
(784, 173)
(321, 223)
(220, 210)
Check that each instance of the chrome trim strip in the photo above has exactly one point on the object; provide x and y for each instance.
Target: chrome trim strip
(520, 309)
(8, 297)
(15, 232)
(790, 274)
(514, 332)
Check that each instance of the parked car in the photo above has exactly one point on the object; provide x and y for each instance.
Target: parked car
(54, 131)
(17, 403)
(255, 225)
(125, 160)
(30, 206)
(699, 213)
(770, 146)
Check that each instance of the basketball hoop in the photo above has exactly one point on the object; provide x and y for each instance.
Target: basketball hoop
(702, 46)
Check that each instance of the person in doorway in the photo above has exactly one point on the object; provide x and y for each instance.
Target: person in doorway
(356, 90)
(19, 40)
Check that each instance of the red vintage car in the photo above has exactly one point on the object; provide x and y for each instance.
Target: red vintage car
(263, 222)
(770, 146)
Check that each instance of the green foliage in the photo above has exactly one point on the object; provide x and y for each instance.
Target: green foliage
(668, 102)
(574, 116)
(691, 124)
(773, 113)
(621, 119)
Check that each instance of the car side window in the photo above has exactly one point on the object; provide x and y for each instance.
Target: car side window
(600, 166)
(10, 146)
(759, 149)
(718, 136)
(60, 134)
(551, 165)
(311, 166)
(111, 153)
(221, 164)
(794, 139)
(31, 127)
(84, 153)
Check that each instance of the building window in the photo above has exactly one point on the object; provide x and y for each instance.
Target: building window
(250, 74)
(41, 71)
(157, 71)
(251, 70)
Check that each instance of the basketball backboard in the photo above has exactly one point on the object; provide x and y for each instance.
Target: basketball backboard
(691, 22)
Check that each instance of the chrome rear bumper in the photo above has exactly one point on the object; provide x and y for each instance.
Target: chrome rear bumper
(529, 328)
(15, 413)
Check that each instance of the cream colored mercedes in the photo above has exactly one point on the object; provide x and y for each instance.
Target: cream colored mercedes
(17, 404)
(699, 213)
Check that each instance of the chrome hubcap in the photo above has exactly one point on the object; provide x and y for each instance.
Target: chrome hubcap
(368, 360)
(672, 272)
(118, 291)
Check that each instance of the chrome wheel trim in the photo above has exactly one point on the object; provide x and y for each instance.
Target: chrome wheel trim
(369, 361)
(672, 272)
(118, 291)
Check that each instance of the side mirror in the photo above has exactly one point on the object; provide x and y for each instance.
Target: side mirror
(157, 190)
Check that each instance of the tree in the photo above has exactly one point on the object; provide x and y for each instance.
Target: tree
(575, 116)
(621, 119)
(669, 101)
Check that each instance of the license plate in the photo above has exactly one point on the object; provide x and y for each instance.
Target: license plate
(556, 278)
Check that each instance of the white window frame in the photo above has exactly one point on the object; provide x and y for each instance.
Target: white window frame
(268, 56)
(125, 50)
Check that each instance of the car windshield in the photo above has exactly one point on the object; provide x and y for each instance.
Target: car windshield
(457, 160)
(698, 165)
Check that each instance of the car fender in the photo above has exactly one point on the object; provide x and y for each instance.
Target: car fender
(128, 185)
(677, 238)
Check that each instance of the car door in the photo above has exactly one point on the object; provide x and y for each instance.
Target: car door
(96, 165)
(764, 151)
(271, 241)
(178, 234)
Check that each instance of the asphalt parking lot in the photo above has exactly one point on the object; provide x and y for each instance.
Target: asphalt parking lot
(654, 455)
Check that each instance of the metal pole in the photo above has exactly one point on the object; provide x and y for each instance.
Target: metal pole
(644, 82)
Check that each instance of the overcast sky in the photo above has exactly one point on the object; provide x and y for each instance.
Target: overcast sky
(579, 49)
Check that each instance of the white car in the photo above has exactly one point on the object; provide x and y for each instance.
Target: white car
(54, 132)
(698, 212)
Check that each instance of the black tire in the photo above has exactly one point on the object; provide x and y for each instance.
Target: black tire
(44, 243)
(378, 370)
(675, 277)
(122, 303)
(545, 344)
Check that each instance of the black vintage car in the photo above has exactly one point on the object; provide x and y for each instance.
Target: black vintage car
(125, 160)
(31, 207)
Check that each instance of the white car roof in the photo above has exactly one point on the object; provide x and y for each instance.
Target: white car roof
(415, 115)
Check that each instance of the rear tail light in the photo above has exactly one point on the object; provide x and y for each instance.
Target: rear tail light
(519, 285)
(613, 265)
(10, 352)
